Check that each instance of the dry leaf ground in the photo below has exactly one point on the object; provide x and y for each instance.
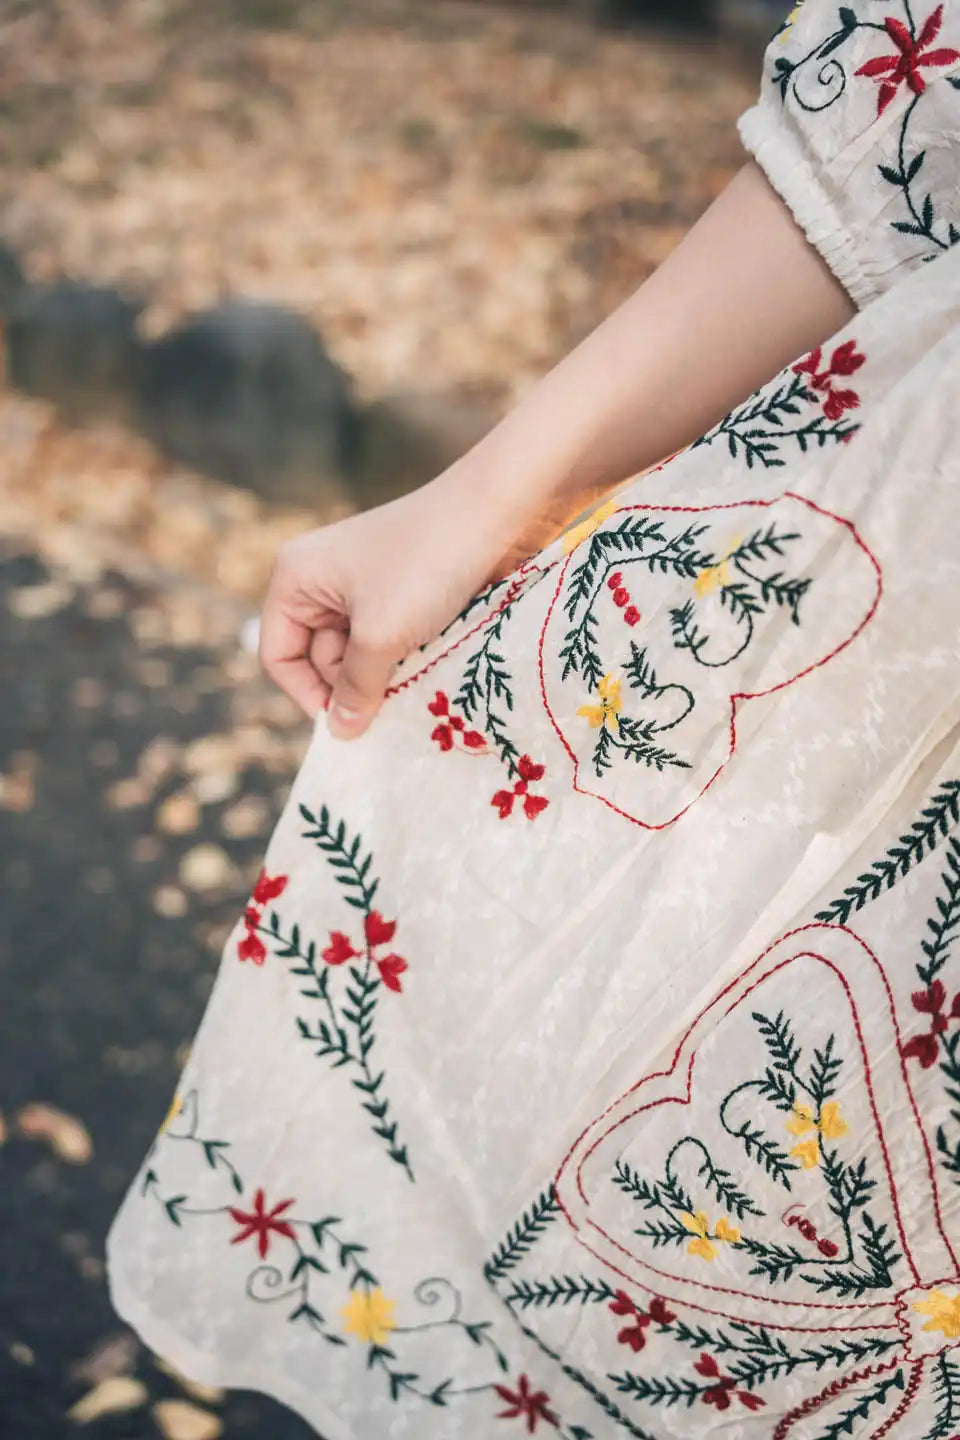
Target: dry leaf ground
(454, 193)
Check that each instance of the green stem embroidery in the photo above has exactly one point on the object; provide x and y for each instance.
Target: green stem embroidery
(352, 872)
(934, 823)
(521, 1237)
(864, 1406)
(946, 1385)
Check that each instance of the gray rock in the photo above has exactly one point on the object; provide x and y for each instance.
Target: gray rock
(12, 279)
(75, 345)
(246, 392)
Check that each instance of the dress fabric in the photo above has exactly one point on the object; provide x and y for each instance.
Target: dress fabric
(587, 1061)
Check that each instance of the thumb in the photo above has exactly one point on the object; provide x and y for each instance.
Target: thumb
(359, 688)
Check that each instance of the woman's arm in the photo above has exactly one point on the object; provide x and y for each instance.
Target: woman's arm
(741, 296)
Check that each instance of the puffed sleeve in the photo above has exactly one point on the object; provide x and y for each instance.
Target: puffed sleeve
(858, 129)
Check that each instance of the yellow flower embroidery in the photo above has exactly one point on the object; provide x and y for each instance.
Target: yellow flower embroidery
(831, 1125)
(788, 23)
(609, 707)
(715, 576)
(699, 1225)
(369, 1316)
(944, 1312)
(585, 529)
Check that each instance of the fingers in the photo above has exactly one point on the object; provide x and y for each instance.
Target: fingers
(326, 652)
(285, 655)
(360, 685)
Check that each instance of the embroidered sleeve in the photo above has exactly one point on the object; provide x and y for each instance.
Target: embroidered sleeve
(858, 129)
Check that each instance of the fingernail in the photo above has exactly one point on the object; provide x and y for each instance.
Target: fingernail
(343, 720)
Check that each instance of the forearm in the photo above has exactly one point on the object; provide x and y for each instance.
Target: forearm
(740, 296)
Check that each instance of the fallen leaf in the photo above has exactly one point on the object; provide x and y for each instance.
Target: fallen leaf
(111, 1356)
(37, 602)
(207, 1394)
(180, 1420)
(111, 1397)
(67, 1136)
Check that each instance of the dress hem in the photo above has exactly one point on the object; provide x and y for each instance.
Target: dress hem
(206, 1369)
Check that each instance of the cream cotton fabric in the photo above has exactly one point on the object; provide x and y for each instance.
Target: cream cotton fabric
(587, 1062)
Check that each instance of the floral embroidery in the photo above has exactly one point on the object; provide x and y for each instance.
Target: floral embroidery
(911, 54)
(845, 360)
(829, 1124)
(484, 695)
(944, 1312)
(744, 586)
(633, 1334)
(790, 21)
(809, 1232)
(818, 79)
(926, 1048)
(261, 1223)
(530, 1405)
(719, 1393)
(532, 804)
(267, 888)
(621, 598)
(700, 1226)
(608, 710)
(344, 1031)
(368, 1314)
(801, 407)
(452, 726)
(311, 1263)
(718, 576)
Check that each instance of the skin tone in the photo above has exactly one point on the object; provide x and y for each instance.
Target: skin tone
(740, 297)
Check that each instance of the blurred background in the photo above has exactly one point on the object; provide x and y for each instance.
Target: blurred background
(262, 263)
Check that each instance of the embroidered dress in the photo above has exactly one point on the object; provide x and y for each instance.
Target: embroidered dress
(587, 1060)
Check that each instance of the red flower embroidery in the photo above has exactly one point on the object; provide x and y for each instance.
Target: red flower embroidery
(377, 930)
(267, 888)
(845, 360)
(452, 725)
(621, 598)
(391, 968)
(531, 1405)
(720, 1393)
(261, 1222)
(926, 1048)
(380, 932)
(532, 804)
(632, 1334)
(251, 947)
(339, 950)
(809, 1232)
(905, 65)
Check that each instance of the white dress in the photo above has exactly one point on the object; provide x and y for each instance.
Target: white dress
(587, 1061)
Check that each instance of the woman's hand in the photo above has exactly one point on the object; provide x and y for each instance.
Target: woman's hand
(349, 600)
